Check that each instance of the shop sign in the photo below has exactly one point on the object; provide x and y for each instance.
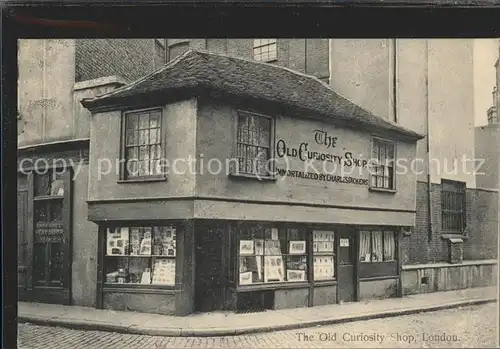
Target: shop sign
(344, 242)
(305, 154)
(49, 232)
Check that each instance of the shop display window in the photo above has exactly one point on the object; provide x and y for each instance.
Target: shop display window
(377, 246)
(270, 254)
(323, 255)
(140, 255)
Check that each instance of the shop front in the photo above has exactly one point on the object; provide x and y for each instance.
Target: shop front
(281, 207)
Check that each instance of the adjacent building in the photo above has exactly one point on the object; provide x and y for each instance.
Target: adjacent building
(56, 242)
(237, 175)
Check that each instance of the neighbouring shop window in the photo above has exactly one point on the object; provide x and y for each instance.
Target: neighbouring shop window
(453, 205)
(382, 170)
(265, 50)
(323, 255)
(377, 246)
(253, 143)
(269, 254)
(160, 53)
(140, 255)
(48, 240)
(143, 144)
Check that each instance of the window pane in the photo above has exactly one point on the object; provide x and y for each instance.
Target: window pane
(154, 120)
(56, 206)
(117, 241)
(324, 256)
(144, 121)
(132, 168)
(324, 267)
(154, 136)
(389, 246)
(296, 268)
(143, 137)
(57, 263)
(144, 153)
(132, 137)
(364, 246)
(42, 211)
(377, 252)
(251, 270)
(132, 153)
(132, 122)
(39, 263)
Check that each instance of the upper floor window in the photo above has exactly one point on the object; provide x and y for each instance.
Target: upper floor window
(382, 169)
(160, 53)
(142, 149)
(453, 205)
(264, 50)
(253, 143)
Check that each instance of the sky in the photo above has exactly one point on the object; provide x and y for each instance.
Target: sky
(485, 56)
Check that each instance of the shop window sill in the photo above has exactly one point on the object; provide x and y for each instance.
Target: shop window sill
(382, 190)
(143, 179)
(148, 289)
(275, 286)
(268, 178)
(376, 278)
(325, 283)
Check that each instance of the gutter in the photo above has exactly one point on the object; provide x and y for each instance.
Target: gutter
(429, 202)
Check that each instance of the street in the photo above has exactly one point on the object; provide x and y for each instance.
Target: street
(470, 327)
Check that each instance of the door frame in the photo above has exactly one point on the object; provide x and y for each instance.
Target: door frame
(48, 294)
(199, 228)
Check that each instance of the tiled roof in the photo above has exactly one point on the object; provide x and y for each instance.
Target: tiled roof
(246, 78)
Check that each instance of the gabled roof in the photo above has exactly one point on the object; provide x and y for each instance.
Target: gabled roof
(197, 69)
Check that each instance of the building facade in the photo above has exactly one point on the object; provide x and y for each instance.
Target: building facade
(299, 235)
(305, 224)
(56, 242)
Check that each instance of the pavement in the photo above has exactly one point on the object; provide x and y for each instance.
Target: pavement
(231, 324)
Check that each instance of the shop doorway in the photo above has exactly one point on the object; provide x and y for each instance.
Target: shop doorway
(210, 284)
(346, 270)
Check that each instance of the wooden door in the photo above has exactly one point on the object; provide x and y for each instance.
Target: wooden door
(346, 266)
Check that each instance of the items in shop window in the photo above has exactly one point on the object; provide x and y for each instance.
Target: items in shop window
(164, 272)
(274, 269)
(246, 247)
(164, 244)
(246, 278)
(297, 247)
(274, 233)
(145, 248)
(323, 267)
(121, 278)
(272, 247)
(295, 275)
(259, 246)
(117, 241)
(146, 276)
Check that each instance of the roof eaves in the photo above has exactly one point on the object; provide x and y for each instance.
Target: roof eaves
(90, 102)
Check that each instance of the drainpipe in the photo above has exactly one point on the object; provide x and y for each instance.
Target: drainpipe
(429, 202)
(394, 79)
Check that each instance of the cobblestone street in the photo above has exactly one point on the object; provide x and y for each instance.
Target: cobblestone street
(471, 327)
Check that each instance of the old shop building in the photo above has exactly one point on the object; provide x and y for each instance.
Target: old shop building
(187, 241)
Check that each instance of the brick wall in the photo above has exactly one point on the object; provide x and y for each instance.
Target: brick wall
(128, 58)
(483, 225)
(482, 221)
(291, 53)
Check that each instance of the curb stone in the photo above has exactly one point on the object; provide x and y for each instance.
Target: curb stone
(222, 332)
